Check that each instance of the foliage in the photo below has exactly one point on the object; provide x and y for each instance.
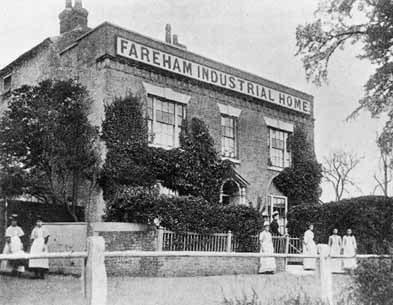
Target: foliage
(300, 182)
(373, 282)
(47, 145)
(185, 214)
(192, 170)
(372, 28)
(337, 170)
(369, 217)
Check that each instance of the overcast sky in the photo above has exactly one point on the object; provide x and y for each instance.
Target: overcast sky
(253, 35)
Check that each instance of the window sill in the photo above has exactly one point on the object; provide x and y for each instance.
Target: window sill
(233, 160)
(275, 168)
(161, 146)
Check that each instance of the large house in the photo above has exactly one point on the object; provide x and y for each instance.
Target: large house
(249, 117)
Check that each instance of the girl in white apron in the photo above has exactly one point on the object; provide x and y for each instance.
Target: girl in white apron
(350, 247)
(266, 264)
(39, 240)
(309, 248)
(13, 245)
(335, 245)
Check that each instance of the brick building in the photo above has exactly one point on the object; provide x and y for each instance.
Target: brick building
(248, 116)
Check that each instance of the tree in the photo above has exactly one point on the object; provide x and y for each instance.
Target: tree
(385, 167)
(47, 145)
(300, 182)
(192, 170)
(337, 170)
(333, 28)
(200, 171)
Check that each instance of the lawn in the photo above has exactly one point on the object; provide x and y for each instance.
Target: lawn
(66, 290)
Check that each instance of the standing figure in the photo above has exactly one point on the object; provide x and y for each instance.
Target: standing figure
(309, 248)
(39, 240)
(266, 264)
(335, 245)
(350, 247)
(13, 245)
(274, 226)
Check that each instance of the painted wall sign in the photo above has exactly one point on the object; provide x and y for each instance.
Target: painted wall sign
(178, 65)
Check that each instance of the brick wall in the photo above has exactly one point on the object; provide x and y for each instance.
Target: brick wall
(185, 266)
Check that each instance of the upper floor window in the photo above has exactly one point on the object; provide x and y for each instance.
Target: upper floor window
(164, 121)
(229, 137)
(7, 83)
(279, 153)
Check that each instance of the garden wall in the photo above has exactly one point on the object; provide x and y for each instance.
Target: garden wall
(125, 236)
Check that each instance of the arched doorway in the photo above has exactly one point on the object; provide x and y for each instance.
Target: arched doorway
(230, 193)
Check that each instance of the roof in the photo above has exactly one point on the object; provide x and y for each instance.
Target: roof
(27, 55)
(178, 51)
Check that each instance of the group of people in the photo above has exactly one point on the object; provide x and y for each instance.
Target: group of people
(39, 238)
(338, 246)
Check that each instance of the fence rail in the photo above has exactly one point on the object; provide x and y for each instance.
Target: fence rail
(94, 284)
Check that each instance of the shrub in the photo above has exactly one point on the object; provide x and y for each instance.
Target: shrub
(373, 281)
(186, 214)
(300, 182)
(370, 217)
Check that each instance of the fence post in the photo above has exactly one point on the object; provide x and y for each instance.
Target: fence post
(286, 251)
(229, 241)
(325, 274)
(96, 281)
(160, 239)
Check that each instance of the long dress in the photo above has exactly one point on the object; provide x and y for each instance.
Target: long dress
(38, 236)
(349, 245)
(266, 264)
(309, 248)
(335, 244)
(14, 233)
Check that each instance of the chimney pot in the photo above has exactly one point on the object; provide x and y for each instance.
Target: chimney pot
(78, 4)
(168, 35)
(175, 39)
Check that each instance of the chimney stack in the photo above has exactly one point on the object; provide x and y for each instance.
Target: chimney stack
(73, 17)
(168, 34)
(172, 39)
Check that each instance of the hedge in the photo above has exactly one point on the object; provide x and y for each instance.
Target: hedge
(369, 217)
(186, 214)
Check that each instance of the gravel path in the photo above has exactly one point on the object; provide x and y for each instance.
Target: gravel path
(66, 290)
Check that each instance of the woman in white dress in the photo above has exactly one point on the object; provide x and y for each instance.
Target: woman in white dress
(13, 245)
(350, 247)
(335, 245)
(266, 264)
(39, 240)
(309, 248)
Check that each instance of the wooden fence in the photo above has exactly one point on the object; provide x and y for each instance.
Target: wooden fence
(94, 277)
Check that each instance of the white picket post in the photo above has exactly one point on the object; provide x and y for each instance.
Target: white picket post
(229, 241)
(96, 280)
(160, 239)
(325, 274)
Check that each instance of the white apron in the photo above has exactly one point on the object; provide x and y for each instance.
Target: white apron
(38, 247)
(349, 245)
(335, 250)
(14, 247)
(266, 264)
(309, 248)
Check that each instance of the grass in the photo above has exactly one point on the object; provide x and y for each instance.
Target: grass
(212, 290)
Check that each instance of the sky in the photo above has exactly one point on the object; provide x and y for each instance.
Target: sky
(253, 35)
